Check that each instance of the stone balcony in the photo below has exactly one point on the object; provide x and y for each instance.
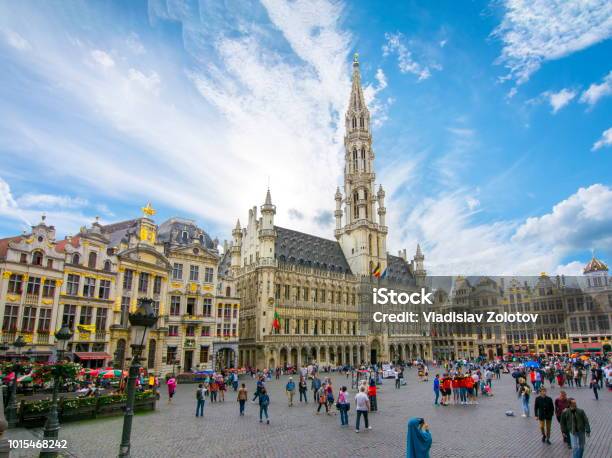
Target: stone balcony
(192, 319)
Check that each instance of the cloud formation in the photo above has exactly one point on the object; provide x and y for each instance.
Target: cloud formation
(597, 91)
(395, 45)
(558, 100)
(605, 140)
(536, 31)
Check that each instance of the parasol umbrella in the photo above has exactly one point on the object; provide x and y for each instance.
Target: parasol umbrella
(112, 373)
(10, 377)
(573, 355)
(584, 358)
(25, 378)
(533, 364)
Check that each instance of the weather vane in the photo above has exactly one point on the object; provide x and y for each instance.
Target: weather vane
(148, 210)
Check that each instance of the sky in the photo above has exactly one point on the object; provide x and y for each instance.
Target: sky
(492, 120)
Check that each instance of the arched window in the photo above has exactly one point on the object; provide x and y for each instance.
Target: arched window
(361, 122)
(355, 208)
(37, 258)
(363, 159)
(107, 266)
(354, 123)
(91, 262)
(355, 159)
(76, 259)
(371, 250)
(184, 236)
(228, 292)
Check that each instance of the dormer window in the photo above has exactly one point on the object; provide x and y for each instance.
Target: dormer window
(107, 266)
(76, 259)
(37, 258)
(184, 236)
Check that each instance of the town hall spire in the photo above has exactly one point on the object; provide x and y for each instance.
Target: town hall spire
(363, 236)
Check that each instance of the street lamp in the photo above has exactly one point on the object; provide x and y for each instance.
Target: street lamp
(140, 321)
(52, 425)
(12, 407)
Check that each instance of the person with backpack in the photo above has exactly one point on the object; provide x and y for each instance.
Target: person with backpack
(243, 395)
(524, 394)
(372, 396)
(290, 390)
(343, 406)
(315, 385)
(264, 402)
(200, 401)
(303, 389)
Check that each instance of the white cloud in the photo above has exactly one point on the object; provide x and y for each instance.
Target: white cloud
(443, 43)
(535, 31)
(150, 83)
(454, 243)
(50, 200)
(573, 268)
(405, 61)
(134, 44)
(16, 40)
(102, 58)
(605, 140)
(596, 91)
(558, 100)
(378, 108)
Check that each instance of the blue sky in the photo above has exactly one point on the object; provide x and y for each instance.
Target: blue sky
(493, 134)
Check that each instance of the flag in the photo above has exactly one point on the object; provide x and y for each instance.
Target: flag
(276, 322)
(384, 274)
(376, 272)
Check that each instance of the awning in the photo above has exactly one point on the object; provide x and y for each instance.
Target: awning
(85, 355)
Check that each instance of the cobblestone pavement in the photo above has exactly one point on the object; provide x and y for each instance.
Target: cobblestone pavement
(458, 431)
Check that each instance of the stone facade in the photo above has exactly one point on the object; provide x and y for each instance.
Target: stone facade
(574, 315)
(320, 290)
(91, 281)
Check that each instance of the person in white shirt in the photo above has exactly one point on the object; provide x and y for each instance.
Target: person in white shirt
(362, 404)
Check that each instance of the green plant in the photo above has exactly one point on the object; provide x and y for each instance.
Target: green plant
(111, 399)
(41, 406)
(75, 403)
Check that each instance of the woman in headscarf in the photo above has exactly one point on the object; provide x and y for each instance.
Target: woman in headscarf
(418, 439)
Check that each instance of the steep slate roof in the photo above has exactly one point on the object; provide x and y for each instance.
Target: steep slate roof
(172, 231)
(225, 263)
(309, 250)
(398, 271)
(118, 231)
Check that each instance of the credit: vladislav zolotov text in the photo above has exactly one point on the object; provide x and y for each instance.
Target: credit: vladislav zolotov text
(385, 296)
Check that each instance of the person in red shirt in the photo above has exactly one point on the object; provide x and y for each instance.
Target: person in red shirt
(456, 384)
(447, 389)
(468, 381)
(372, 396)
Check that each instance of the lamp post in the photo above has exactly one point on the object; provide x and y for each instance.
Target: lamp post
(52, 425)
(12, 407)
(140, 321)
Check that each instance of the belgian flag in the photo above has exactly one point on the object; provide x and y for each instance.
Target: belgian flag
(376, 272)
(276, 322)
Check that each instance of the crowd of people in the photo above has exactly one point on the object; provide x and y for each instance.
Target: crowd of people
(456, 383)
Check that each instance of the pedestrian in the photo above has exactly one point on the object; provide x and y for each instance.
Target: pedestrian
(446, 389)
(235, 381)
(264, 402)
(171, 388)
(243, 395)
(214, 389)
(329, 394)
(290, 390)
(315, 385)
(418, 439)
(524, 394)
(397, 379)
(321, 397)
(544, 410)
(372, 396)
(595, 387)
(362, 405)
(200, 401)
(436, 388)
(562, 403)
(260, 386)
(575, 423)
(303, 388)
(343, 406)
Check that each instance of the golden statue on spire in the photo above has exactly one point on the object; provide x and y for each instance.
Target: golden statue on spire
(148, 210)
(356, 58)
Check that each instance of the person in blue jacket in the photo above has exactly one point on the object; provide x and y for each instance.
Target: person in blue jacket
(436, 388)
(418, 439)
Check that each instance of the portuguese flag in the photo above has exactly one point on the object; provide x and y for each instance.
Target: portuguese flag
(276, 322)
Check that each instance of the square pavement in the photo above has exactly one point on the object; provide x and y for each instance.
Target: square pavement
(481, 430)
